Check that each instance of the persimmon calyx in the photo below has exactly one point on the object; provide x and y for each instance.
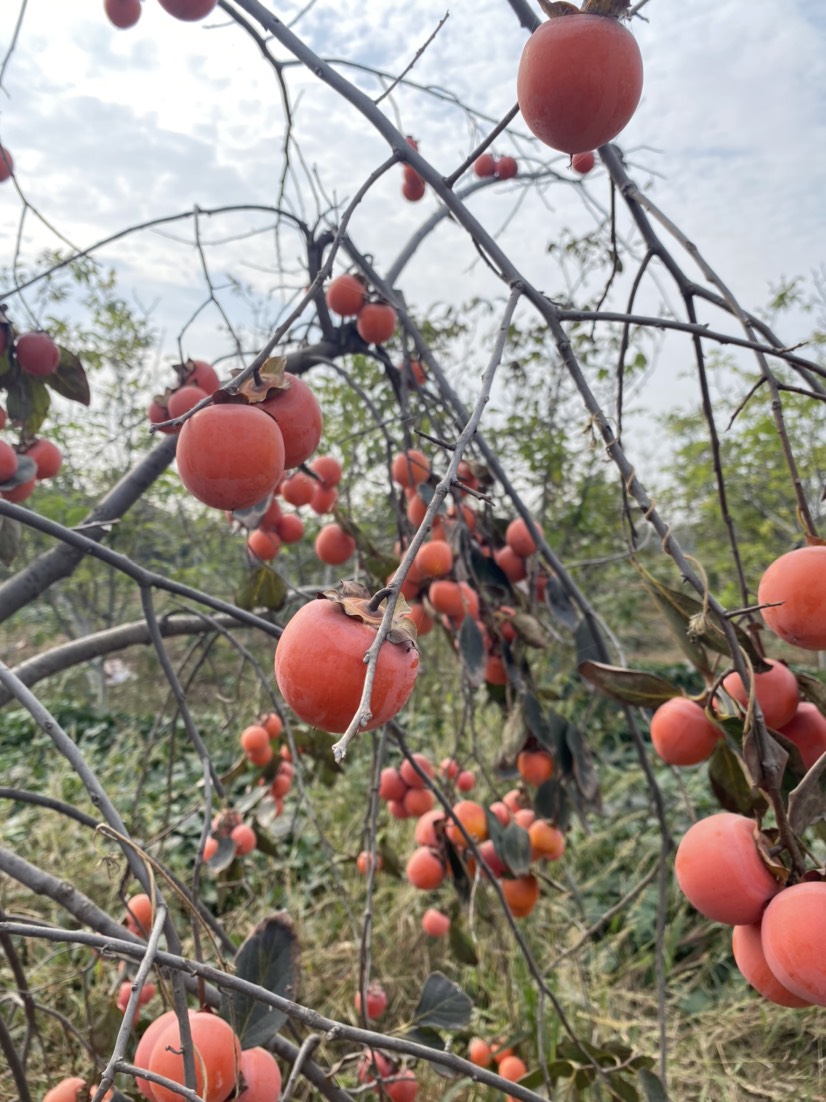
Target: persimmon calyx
(266, 381)
(354, 599)
(612, 9)
(555, 8)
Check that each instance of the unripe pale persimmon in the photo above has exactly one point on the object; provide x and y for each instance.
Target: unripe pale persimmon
(721, 872)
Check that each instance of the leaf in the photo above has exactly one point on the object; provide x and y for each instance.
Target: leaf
(560, 604)
(27, 403)
(442, 1004)
(461, 946)
(652, 1087)
(807, 802)
(623, 1090)
(731, 784)
(682, 609)
(26, 471)
(514, 849)
(646, 690)
(537, 724)
(551, 802)
(9, 540)
(223, 856)
(70, 379)
(472, 650)
(813, 690)
(755, 763)
(529, 629)
(583, 766)
(588, 643)
(261, 588)
(270, 958)
(514, 734)
(487, 573)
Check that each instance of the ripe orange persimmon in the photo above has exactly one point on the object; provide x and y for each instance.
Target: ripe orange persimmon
(371, 1064)
(6, 166)
(8, 461)
(485, 165)
(323, 499)
(37, 354)
(424, 833)
(67, 1090)
(506, 168)
(547, 840)
(747, 946)
(410, 468)
(328, 469)
(682, 733)
(579, 81)
(263, 545)
(521, 895)
(298, 489)
(583, 162)
(183, 399)
(472, 817)
(255, 742)
(721, 872)
(424, 869)
(230, 456)
(376, 1001)
(376, 322)
(296, 410)
(513, 1068)
(145, 1046)
(403, 1087)
(434, 560)
(807, 730)
(417, 801)
(244, 838)
(202, 374)
(447, 598)
(776, 691)
(535, 766)
(409, 775)
(319, 662)
(519, 539)
(273, 724)
(217, 1056)
(435, 923)
(261, 1074)
(139, 914)
(345, 295)
(495, 671)
(793, 591)
(466, 780)
(479, 1052)
(364, 862)
(47, 456)
(511, 564)
(423, 622)
(290, 528)
(333, 545)
(793, 932)
(189, 11)
(391, 785)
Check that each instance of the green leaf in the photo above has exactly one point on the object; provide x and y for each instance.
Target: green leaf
(70, 379)
(514, 735)
(646, 690)
(442, 1004)
(223, 856)
(27, 403)
(270, 958)
(537, 724)
(560, 604)
(262, 588)
(514, 849)
(807, 802)
(551, 802)
(585, 775)
(472, 650)
(9, 540)
(653, 1089)
(589, 646)
(461, 946)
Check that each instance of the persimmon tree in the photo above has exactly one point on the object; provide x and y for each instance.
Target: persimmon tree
(468, 539)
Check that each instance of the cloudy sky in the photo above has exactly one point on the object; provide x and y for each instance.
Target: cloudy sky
(112, 128)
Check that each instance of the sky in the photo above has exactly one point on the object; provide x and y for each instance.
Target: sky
(111, 128)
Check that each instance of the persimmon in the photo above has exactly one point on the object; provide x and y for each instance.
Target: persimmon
(410, 776)
(479, 1052)
(376, 1001)
(298, 489)
(255, 742)
(273, 724)
(416, 509)
(513, 1068)
(364, 862)
(413, 187)
(217, 1053)
(502, 812)
(244, 838)
(188, 10)
(495, 671)
(682, 733)
(776, 691)
(519, 538)
(792, 934)
(547, 841)
(376, 322)
(434, 560)
(511, 564)
(583, 162)
(47, 456)
(139, 914)
(425, 830)
(122, 13)
(403, 1086)
(535, 766)
(792, 592)
(37, 354)
(472, 817)
(411, 467)
(261, 1075)
(485, 165)
(807, 730)
(67, 1090)
(521, 894)
(202, 374)
(417, 801)
(328, 470)
(425, 869)
(372, 1063)
(324, 499)
(296, 410)
(524, 817)
(747, 946)
(720, 871)
(8, 461)
(6, 165)
(230, 456)
(333, 545)
(210, 847)
(423, 622)
(145, 1047)
(319, 661)
(466, 780)
(487, 851)
(183, 399)
(263, 545)
(345, 295)
(506, 168)
(579, 81)
(391, 785)
(435, 923)
(290, 528)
